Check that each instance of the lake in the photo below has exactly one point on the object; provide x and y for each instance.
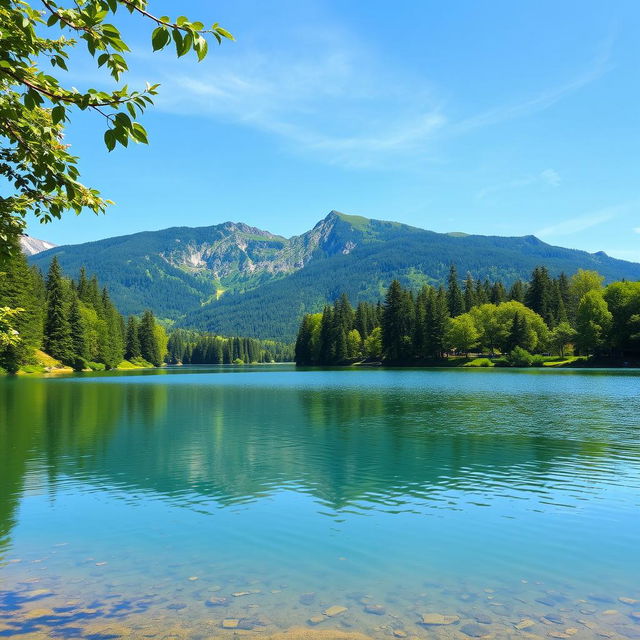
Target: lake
(219, 502)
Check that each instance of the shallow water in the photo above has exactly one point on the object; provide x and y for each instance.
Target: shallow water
(137, 504)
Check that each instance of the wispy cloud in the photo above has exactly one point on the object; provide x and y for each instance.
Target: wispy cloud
(586, 221)
(328, 96)
(637, 229)
(548, 177)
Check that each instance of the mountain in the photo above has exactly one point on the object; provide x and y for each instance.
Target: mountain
(30, 246)
(235, 279)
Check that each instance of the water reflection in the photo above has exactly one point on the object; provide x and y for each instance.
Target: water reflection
(324, 481)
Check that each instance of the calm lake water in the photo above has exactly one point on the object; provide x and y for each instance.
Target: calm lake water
(174, 503)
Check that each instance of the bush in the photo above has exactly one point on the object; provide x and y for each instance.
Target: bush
(519, 357)
(538, 361)
(96, 366)
(479, 362)
(79, 364)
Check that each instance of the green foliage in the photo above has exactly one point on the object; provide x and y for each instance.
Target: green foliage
(593, 322)
(462, 335)
(35, 106)
(519, 357)
(303, 274)
(193, 347)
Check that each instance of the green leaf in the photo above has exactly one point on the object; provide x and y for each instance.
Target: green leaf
(139, 134)
(110, 139)
(58, 113)
(177, 38)
(160, 38)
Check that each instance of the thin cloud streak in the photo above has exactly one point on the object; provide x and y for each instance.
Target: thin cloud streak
(548, 177)
(341, 107)
(580, 223)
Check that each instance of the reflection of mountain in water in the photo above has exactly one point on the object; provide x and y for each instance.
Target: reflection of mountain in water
(388, 448)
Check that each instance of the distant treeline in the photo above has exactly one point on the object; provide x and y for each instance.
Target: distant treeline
(193, 347)
(546, 314)
(73, 321)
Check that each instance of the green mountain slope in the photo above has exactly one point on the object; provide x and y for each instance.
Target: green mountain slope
(270, 281)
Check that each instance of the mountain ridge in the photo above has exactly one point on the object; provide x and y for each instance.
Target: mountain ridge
(233, 278)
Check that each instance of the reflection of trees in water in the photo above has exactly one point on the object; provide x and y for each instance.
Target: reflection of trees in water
(190, 443)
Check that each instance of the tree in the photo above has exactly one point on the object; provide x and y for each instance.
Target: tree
(77, 330)
(354, 344)
(132, 342)
(35, 106)
(517, 292)
(561, 336)
(623, 301)
(373, 344)
(57, 333)
(469, 293)
(519, 335)
(538, 295)
(393, 323)
(462, 335)
(455, 299)
(593, 320)
(10, 340)
(581, 282)
(437, 321)
(149, 347)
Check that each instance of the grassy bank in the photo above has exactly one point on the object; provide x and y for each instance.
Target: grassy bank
(558, 362)
(43, 364)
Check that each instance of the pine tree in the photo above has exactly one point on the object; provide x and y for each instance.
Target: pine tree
(77, 331)
(538, 295)
(437, 317)
(57, 334)
(132, 345)
(518, 336)
(469, 293)
(455, 299)
(149, 348)
(498, 293)
(516, 293)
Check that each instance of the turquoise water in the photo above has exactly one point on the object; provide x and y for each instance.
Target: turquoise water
(136, 504)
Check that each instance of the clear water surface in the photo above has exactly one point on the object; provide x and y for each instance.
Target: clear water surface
(219, 502)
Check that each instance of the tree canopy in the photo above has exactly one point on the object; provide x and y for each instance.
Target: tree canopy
(36, 105)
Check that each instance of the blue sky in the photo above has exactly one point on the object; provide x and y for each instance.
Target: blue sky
(501, 117)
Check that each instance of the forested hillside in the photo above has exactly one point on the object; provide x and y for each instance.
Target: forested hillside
(542, 315)
(233, 279)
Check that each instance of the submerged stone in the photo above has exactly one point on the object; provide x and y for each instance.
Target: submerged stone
(437, 619)
(474, 630)
(316, 620)
(307, 598)
(482, 618)
(628, 600)
(218, 602)
(375, 609)
(230, 623)
(527, 623)
(335, 610)
(300, 633)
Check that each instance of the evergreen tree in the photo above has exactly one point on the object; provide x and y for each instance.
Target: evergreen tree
(132, 343)
(498, 293)
(149, 347)
(469, 293)
(538, 295)
(519, 334)
(77, 331)
(455, 299)
(57, 334)
(392, 322)
(437, 322)
(517, 292)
